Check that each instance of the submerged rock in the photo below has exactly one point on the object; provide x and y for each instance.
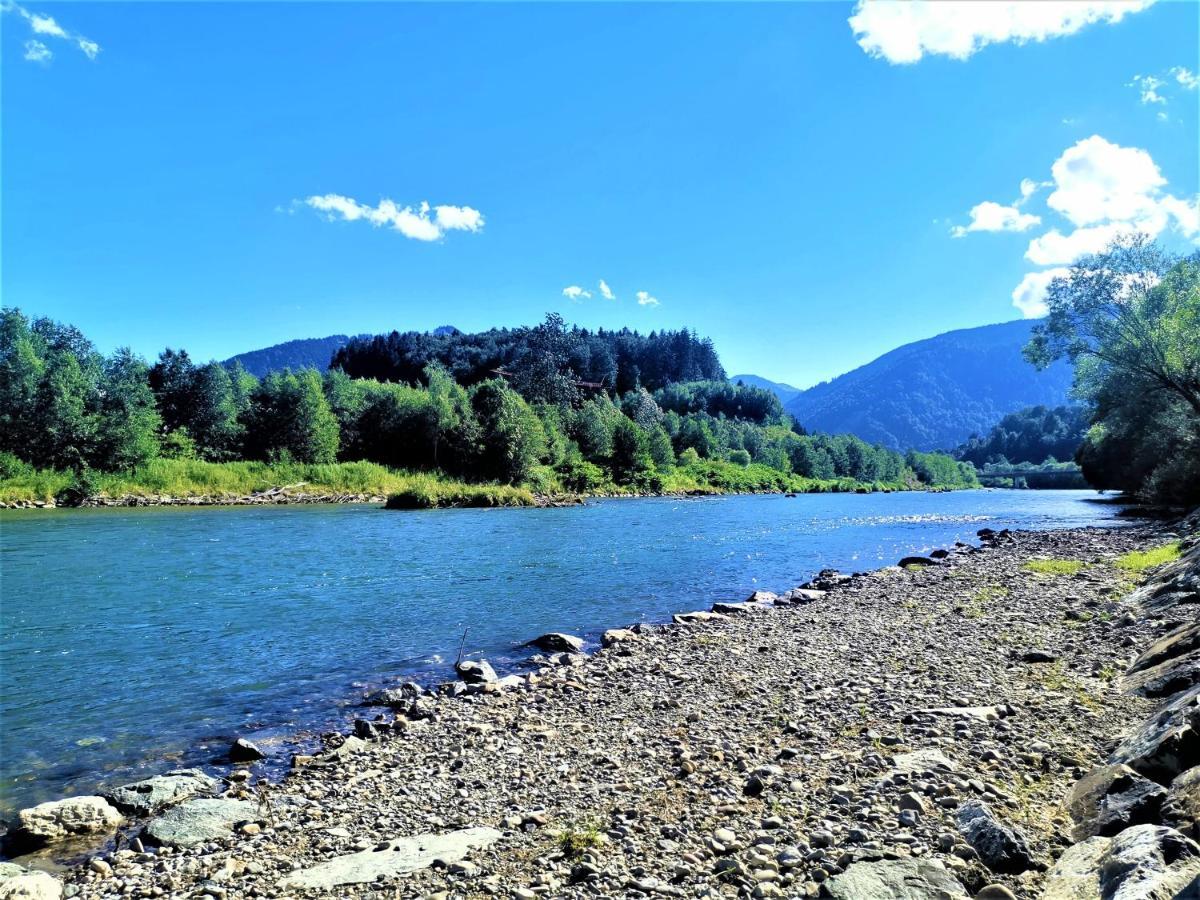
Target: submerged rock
(151, 795)
(244, 751)
(59, 819)
(391, 858)
(195, 822)
(896, 879)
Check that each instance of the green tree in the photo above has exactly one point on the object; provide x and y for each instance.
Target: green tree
(67, 427)
(511, 437)
(21, 369)
(631, 452)
(128, 422)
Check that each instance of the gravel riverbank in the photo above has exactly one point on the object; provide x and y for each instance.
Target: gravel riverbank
(912, 732)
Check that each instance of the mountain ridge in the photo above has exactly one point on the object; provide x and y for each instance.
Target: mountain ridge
(936, 392)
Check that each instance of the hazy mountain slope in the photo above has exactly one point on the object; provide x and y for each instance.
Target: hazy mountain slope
(935, 393)
(306, 353)
(784, 392)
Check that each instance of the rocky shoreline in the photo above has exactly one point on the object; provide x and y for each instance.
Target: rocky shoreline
(1015, 720)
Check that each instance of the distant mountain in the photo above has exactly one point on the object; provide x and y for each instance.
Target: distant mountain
(306, 353)
(784, 392)
(935, 393)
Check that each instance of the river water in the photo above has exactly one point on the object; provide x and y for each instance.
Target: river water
(136, 640)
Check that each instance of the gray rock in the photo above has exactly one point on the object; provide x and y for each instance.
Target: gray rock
(395, 697)
(1146, 862)
(1109, 799)
(804, 595)
(907, 879)
(915, 561)
(1000, 847)
(1182, 807)
(244, 751)
(10, 870)
(195, 822)
(476, 671)
(1180, 642)
(1166, 744)
(617, 636)
(927, 760)
(151, 795)
(995, 892)
(557, 642)
(1168, 678)
(31, 886)
(74, 815)
(392, 858)
(734, 609)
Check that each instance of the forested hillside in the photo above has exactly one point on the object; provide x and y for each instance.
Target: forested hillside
(510, 408)
(935, 393)
(306, 353)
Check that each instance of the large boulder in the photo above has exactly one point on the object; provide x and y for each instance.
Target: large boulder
(896, 879)
(242, 750)
(1146, 862)
(1167, 743)
(557, 642)
(1180, 642)
(1182, 807)
(1001, 848)
(59, 819)
(476, 671)
(152, 795)
(1167, 679)
(196, 822)
(31, 886)
(1109, 799)
(390, 859)
(616, 636)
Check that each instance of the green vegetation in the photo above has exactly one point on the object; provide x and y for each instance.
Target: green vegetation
(1138, 561)
(576, 841)
(1054, 566)
(1129, 320)
(75, 424)
(1034, 435)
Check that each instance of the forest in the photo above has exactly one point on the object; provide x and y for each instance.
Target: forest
(548, 409)
(1036, 435)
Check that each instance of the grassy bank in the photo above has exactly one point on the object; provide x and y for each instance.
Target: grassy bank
(181, 479)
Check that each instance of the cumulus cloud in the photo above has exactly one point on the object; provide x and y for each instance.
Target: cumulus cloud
(1030, 295)
(575, 292)
(421, 223)
(1148, 86)
(606, 291)
(903, 31)
(48, 26)
(989, 216)
(36, 51)
(1105, 191)
(644, 299)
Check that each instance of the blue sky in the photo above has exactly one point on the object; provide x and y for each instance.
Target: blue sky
(183, 173)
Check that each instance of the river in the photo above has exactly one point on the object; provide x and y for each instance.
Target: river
(136, 640)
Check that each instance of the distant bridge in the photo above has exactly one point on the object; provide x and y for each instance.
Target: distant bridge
(1035, 478)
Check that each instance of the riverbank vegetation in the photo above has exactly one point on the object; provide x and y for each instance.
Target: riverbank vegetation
(1129, 320)
(76, 424)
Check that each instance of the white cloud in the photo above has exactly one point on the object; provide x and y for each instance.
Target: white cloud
(1097, 181)
(47, 26)
(1106, 191)
(989, 216)
(1030, 295)
(36, 51)
(1148, 86)
(575, 292)
(903, 31)
(1056, 248)
(644, 299)
(1187, 79)
(606, 291)
(412, 223)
